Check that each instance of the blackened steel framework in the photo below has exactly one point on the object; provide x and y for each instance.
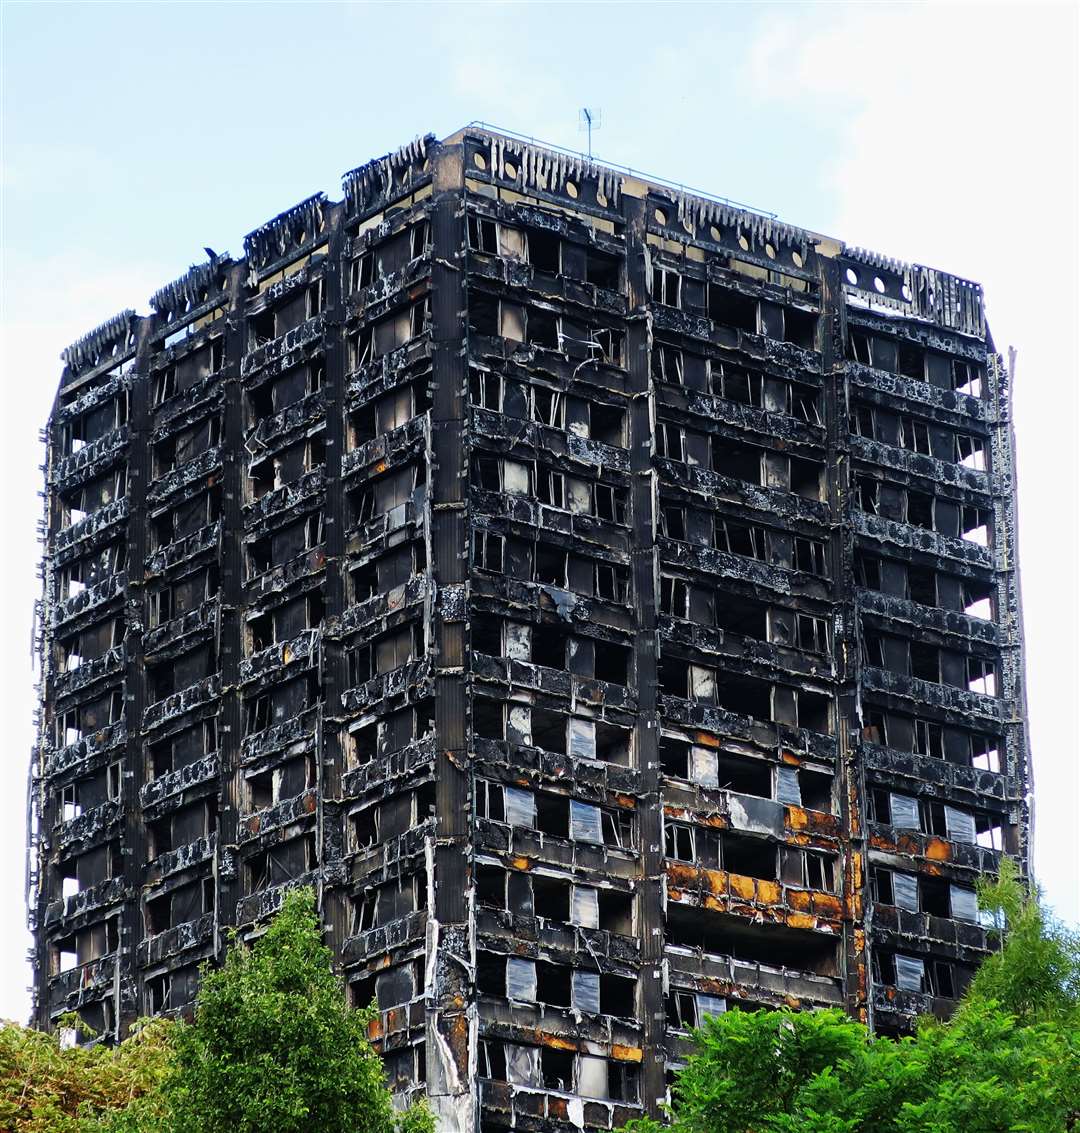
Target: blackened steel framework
(605, 597)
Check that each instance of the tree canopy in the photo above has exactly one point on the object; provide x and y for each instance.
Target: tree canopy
(273, 1045)
(1007, 1062)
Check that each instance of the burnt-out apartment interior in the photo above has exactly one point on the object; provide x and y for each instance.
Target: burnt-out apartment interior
(605, 597)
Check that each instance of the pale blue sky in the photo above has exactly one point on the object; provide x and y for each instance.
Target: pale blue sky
(135, 134)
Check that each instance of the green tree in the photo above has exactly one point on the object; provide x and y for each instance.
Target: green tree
(46, 1089)
(274, 1045)
(1007, 1062)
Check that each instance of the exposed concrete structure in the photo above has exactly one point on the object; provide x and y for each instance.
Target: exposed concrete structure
(606, 597)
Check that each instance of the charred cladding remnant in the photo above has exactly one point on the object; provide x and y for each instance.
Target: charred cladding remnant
(605, 597)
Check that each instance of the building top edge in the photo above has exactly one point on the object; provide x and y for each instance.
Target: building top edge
(902, 288)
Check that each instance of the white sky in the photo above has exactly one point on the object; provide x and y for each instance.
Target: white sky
(945, 135)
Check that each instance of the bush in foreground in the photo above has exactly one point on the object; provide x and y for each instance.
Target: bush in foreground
(1007, 1062)
(273, 1046)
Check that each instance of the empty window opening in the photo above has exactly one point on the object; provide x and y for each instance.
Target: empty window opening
(735, 383)
(920, 510)
(666, 364)
(544, 250)
(542, 329)
(741, 616)
(737, 460)
(551, 898)
(733, 309)
(602, 269)
(667, 287)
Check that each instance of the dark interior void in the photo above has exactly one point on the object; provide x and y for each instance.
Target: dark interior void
(776, 946)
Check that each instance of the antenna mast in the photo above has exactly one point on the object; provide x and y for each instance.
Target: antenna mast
(589, 120)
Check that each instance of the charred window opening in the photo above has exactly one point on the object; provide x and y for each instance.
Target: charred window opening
(747, 540)
(603, 269)
(774, 946)
(545, 250)
(389, 498)
(542, 328)
(669, 441)
(556, 1069)
(79, 431)
(733, 309)
(551, 898)
(666, 364)
(549, 730)
(968, 377)
(807, 478)
(279, 864)
(388, 333)
(810, 557)
(800, 327)
(187, 518)
(77, 504)
(180, 447)
(737, 460)
(741, 616)
(674, 596)
(735, 383)
(605, 344)
(490, 884)
(277, 393)
(667, 287)
(547, 406)
(483, 235)
(486, 389)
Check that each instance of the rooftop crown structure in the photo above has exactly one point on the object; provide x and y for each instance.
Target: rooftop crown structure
(605, 597)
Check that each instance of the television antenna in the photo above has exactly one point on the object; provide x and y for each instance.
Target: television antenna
(589, 119)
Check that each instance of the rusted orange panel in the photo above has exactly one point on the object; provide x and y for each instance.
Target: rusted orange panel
(381, 466)
(768, 892)
(938, 850)
(521, 863)
(626, 801)
(555, 1042)
(681, 874)
(799, 899)
(706, 739)
(741, 886)
(801, 920)
(626, 1053)
(826, 905)
(716, 880)
(877, 842)
(676, 894)
(790, 759)
(821, 823)
(797, 818)
(716, 821)
(556, 1108)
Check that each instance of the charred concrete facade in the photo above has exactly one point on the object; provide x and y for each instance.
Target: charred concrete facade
(605, 597)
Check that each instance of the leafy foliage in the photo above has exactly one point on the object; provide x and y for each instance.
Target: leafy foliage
(273, 1046)
(44, 1089)
(1008, 1061)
